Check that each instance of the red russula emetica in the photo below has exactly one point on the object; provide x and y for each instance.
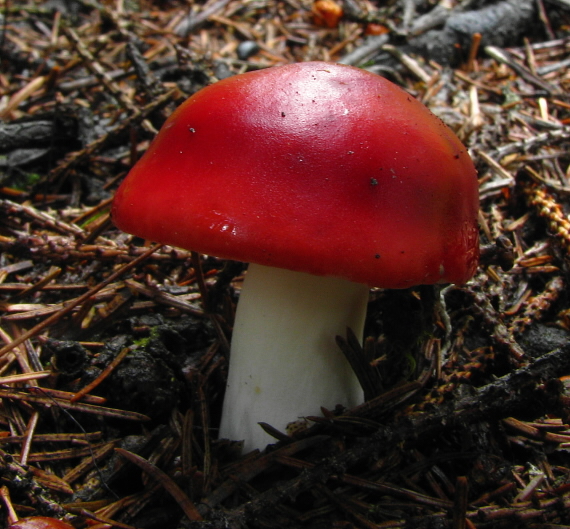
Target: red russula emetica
(40, 522)
(315, 169)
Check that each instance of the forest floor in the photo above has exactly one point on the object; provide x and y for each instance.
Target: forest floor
(112, 367)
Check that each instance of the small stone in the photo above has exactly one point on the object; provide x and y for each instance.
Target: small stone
(246, 49)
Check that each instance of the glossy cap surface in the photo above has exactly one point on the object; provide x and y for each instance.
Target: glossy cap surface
(315, 167)
(40, 522)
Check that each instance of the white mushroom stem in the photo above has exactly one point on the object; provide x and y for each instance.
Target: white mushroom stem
(284, 361)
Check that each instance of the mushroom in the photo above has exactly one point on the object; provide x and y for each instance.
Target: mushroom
(40, 522)
(328, 179)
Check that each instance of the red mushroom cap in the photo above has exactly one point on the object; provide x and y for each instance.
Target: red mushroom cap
(315, 167)
(40, 522)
